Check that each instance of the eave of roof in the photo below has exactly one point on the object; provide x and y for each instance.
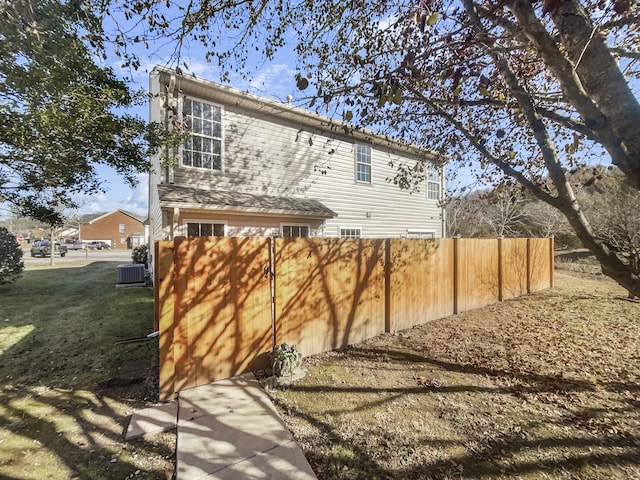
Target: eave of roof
(175, 196)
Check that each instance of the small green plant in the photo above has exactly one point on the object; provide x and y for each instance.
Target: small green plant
(11, 264)
(140, 254)
(285, 359)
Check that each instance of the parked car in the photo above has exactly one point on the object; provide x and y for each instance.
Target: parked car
(42, 248)
(98, 245)
(78, 246)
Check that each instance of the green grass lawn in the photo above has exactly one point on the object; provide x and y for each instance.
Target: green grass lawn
(66, 388)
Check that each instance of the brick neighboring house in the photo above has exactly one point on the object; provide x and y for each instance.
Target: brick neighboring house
(120, 229)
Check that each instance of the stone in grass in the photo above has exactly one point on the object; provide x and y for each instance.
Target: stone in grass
(274, 381)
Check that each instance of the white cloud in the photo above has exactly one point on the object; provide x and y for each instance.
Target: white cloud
(275, 81)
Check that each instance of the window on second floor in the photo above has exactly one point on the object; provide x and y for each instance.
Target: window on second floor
(363, 163)
(205, 229)
(433, 183)
(203, 148)
(295, 230)
(122, 228)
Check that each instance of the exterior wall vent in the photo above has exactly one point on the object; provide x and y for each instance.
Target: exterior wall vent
(130, 273)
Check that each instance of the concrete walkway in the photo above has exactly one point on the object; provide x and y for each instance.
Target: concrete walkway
(230, 430)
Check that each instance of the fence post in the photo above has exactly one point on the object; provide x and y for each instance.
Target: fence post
(551, 262)
(387, 285)
(528, 265)
(456, 271)
(272, 288)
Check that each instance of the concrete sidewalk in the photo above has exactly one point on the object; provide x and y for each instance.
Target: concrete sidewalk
(230, 430)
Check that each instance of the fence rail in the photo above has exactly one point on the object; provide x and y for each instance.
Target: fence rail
(221, 303)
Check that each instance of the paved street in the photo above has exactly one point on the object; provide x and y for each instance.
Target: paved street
(78, 257)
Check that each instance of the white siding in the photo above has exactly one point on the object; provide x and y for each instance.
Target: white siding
(267, 155)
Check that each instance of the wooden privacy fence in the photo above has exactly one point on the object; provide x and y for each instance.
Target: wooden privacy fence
(222, 303)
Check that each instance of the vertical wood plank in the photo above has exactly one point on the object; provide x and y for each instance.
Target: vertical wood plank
(456, 276)
(500, 270)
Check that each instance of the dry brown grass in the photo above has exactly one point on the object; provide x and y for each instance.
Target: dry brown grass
(545, 386)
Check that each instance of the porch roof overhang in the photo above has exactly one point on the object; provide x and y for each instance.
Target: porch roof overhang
(191, 198)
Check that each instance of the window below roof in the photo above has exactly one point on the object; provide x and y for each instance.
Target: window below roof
(295, 230)
(363, 163)
(433, 183)
(203, 123)
(205, 229)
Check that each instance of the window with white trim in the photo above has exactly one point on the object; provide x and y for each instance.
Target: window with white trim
(433, 183)
(122, 228)
(203, 148)
(363, 163)
(205, 229)
(350, 232)
(420, 233)
(295, 230)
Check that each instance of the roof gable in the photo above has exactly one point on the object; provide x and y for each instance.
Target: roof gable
(101, 216)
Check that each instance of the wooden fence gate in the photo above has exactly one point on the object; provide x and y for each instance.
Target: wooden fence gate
(222, 303)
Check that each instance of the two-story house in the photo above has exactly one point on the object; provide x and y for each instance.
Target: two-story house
(252, 166)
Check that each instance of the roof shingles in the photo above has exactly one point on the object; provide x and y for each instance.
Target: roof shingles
(180, 196)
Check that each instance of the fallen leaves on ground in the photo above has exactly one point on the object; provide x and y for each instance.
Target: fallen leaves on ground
(544, 386)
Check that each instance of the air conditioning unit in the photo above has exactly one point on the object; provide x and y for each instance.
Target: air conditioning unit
(130, 273)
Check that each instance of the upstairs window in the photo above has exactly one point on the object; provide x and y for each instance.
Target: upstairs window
(203, 148)
(433, 183)
(122, 228)
(351, 232)
(196, 229)
(363, 163)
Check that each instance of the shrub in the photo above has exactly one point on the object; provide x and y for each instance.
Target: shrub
(11, 264)
(140, 254)
(285, 359)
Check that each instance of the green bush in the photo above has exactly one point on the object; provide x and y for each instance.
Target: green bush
(140, 254)
(11, 264)
(285, 359)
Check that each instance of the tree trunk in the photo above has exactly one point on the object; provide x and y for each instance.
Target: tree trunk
(595, 119)
(602, 80)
